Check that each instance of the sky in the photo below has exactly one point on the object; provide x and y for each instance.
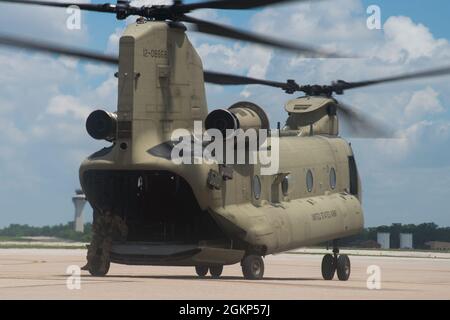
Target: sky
(44, 100)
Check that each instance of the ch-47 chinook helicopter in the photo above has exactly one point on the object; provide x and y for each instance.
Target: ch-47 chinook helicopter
(210, 215)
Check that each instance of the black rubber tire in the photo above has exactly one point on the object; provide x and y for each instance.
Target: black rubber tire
(343, 267)
(328, 267)
(253, 267)
(202, 271)
(216, 271)
(99, 268)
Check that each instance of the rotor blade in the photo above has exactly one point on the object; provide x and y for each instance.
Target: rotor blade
(233, 4)
(417, 75)
(229, 79)
(229, 32)
(83, 6)
(362, 126)
(209, 76)
(290, 86)
(53, 48)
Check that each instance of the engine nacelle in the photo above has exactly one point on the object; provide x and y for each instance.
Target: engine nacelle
(102, 125)
(241, 115)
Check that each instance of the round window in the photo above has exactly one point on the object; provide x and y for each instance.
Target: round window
(309, 181)
(256, 187)
(332, 178)
(285, 186)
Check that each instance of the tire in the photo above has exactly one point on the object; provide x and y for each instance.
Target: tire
(328, 267)
(216, 271)
(253, 267)
(201, 271)
(98, 267)
(343, 267)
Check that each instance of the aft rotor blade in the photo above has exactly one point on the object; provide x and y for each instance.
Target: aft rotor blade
(230, 79)
(54, 48)
(410, 76)
(83, 6)
(233, 4)
(229, 32)
(361, 125)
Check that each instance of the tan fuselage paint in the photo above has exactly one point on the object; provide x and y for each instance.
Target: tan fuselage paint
(161, 88)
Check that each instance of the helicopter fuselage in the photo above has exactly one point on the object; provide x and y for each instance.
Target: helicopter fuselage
(209, 214)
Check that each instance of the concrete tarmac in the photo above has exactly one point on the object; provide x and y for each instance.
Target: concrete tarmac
(42, 274)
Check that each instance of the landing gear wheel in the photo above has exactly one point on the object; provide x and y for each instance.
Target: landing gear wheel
(216, 271)
(201, 271)
(99, 267)
(343, 267)
(253, 267)
(328, 267)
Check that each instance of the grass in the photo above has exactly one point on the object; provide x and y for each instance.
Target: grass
(37, 246)
(10, 238)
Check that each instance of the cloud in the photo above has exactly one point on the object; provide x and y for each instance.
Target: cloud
(424, 102)
(113, 41)
(406, 41)
(39, 22)
(96, 69)
(10, 132)
(62, 105)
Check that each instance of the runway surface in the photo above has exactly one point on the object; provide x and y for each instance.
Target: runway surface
(41, 274)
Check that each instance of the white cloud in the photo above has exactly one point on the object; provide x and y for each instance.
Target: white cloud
(97, 69)
(10, 133)
(62, 105)
(406, 41)
(113, 41)
(422, 103)
(42, 22)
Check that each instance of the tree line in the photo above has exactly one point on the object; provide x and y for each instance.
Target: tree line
(422, 233)
(62, 231)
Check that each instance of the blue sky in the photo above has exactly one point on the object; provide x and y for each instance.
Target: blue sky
(44, 100)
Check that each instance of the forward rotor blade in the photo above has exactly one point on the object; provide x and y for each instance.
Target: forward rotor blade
(233, 4)
(53, 48)
(411, 76)
(209, 76)
(83, 6)
(362, 126)
(229, 79)
(229, 32)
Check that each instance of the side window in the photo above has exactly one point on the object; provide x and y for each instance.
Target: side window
(332, 178)
(309, 181)
(256, 185)
(353, 176)
(285, 186)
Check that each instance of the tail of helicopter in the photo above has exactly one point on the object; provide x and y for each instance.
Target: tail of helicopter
(164, 205)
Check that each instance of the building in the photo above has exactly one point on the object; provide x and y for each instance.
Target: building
(384, 239)
(438, 245)
(406, 241)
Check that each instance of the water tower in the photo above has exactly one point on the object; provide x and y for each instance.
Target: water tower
(79, 201)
